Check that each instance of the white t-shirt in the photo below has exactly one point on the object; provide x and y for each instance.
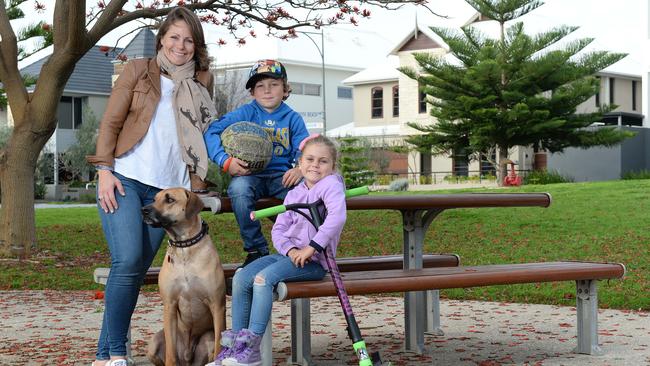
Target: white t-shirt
(156, 160)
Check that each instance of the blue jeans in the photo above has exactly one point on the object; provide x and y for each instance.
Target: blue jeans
(244, 191)
(252, 302)
(133, 245)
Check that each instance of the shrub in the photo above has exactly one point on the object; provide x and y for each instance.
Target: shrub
(87, 198)
(636, 174)
(546, 177)
(39, 190)
(401, 184)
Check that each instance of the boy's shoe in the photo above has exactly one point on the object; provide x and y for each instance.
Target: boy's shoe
(227, 343)
(246, 351)
(253, 256)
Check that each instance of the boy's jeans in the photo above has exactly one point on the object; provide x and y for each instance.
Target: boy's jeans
(252, 302)
(133, 245)
(244, 191)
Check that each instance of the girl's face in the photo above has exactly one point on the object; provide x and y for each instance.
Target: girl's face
(178, 44)
(269, 93)
(316, 163)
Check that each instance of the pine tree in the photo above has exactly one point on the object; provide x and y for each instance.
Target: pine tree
(353, 165)
(517, 90)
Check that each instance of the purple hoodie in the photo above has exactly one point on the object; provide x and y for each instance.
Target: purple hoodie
(292, 230)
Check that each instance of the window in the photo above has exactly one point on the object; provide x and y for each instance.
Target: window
(296, 88)
(487, 167)
(634, 95)
(312, 89)
(69, 113)
(422, 100)
(305, 89)
(597, 96)
(377, 102)
(611, 90)
(396, 101)
(344, 92)
(460, 163)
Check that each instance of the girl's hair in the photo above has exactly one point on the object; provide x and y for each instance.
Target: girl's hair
(192, 20)
(320, 139)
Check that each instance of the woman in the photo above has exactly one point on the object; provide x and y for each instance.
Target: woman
(150, 138)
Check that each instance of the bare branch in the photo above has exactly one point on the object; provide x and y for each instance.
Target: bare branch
(9, 74)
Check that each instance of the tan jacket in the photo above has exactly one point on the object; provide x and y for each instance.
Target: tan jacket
(130, 108)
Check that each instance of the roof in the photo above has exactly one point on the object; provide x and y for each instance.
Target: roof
(92, 73)
(382, 72)
(143, 45)
(345, 49)
(419, 31)
(349, 130)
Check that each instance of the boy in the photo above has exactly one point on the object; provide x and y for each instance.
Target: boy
(269, 88)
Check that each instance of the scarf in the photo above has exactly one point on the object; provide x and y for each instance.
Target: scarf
(193, 109)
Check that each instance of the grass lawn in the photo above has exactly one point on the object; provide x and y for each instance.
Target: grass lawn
(602, 221)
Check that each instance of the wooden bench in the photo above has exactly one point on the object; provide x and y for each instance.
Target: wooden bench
(585, 274)
(302, 342)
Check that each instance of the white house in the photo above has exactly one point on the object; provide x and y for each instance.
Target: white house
(316, 62)
(386, 99)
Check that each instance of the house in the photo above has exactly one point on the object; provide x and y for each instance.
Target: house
(316, 62)
(386, 99)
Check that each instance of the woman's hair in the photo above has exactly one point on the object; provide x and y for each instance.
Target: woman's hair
(320, 139)
(192, 20)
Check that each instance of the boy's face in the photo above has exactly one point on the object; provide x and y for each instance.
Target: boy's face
(269, 93)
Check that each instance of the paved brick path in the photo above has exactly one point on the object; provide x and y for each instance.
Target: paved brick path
(60, 328)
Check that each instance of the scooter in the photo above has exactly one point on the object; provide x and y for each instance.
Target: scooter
(315, 218)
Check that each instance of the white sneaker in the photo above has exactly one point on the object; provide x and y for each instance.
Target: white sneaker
(117, 363)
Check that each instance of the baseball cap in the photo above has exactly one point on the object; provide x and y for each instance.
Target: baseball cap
(268, 68)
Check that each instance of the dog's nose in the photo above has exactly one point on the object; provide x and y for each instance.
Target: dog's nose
(146, 210)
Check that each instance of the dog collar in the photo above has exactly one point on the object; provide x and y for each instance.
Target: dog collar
(191, 241)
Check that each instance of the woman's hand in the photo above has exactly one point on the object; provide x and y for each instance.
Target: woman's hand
(299, 257)
(238, 167)
(107, 183)
(291, 177)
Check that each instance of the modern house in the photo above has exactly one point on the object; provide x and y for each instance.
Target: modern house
(386, 99)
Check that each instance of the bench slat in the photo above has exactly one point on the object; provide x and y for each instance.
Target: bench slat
(371, 282)
(346, 264)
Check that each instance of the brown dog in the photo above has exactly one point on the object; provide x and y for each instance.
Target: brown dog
(191, 283)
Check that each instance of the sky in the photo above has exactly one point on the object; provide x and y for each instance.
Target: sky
(616, 25)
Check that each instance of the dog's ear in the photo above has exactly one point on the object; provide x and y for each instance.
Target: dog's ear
(194, 205)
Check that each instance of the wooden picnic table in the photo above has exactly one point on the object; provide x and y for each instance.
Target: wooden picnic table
(418, 212)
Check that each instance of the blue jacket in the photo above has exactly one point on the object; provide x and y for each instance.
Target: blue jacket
(285, 126)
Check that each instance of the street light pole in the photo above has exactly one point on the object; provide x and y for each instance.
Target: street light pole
(321, 51)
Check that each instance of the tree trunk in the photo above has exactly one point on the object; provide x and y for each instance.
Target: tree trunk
(17, 165)
(503, 165)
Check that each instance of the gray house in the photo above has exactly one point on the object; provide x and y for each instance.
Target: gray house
(86, 94)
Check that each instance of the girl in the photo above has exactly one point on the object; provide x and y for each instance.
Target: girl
(300, 252)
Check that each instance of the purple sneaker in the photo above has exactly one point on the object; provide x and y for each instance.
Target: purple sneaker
(227, 343)
(246, 351)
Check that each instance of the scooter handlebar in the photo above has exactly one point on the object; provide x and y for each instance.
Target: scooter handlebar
(276, 210)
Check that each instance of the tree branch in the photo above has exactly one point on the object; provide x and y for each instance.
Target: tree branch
(9, 73)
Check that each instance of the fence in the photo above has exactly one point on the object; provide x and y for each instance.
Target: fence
(440, 177)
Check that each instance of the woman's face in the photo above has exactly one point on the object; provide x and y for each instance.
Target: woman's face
(178, 44)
